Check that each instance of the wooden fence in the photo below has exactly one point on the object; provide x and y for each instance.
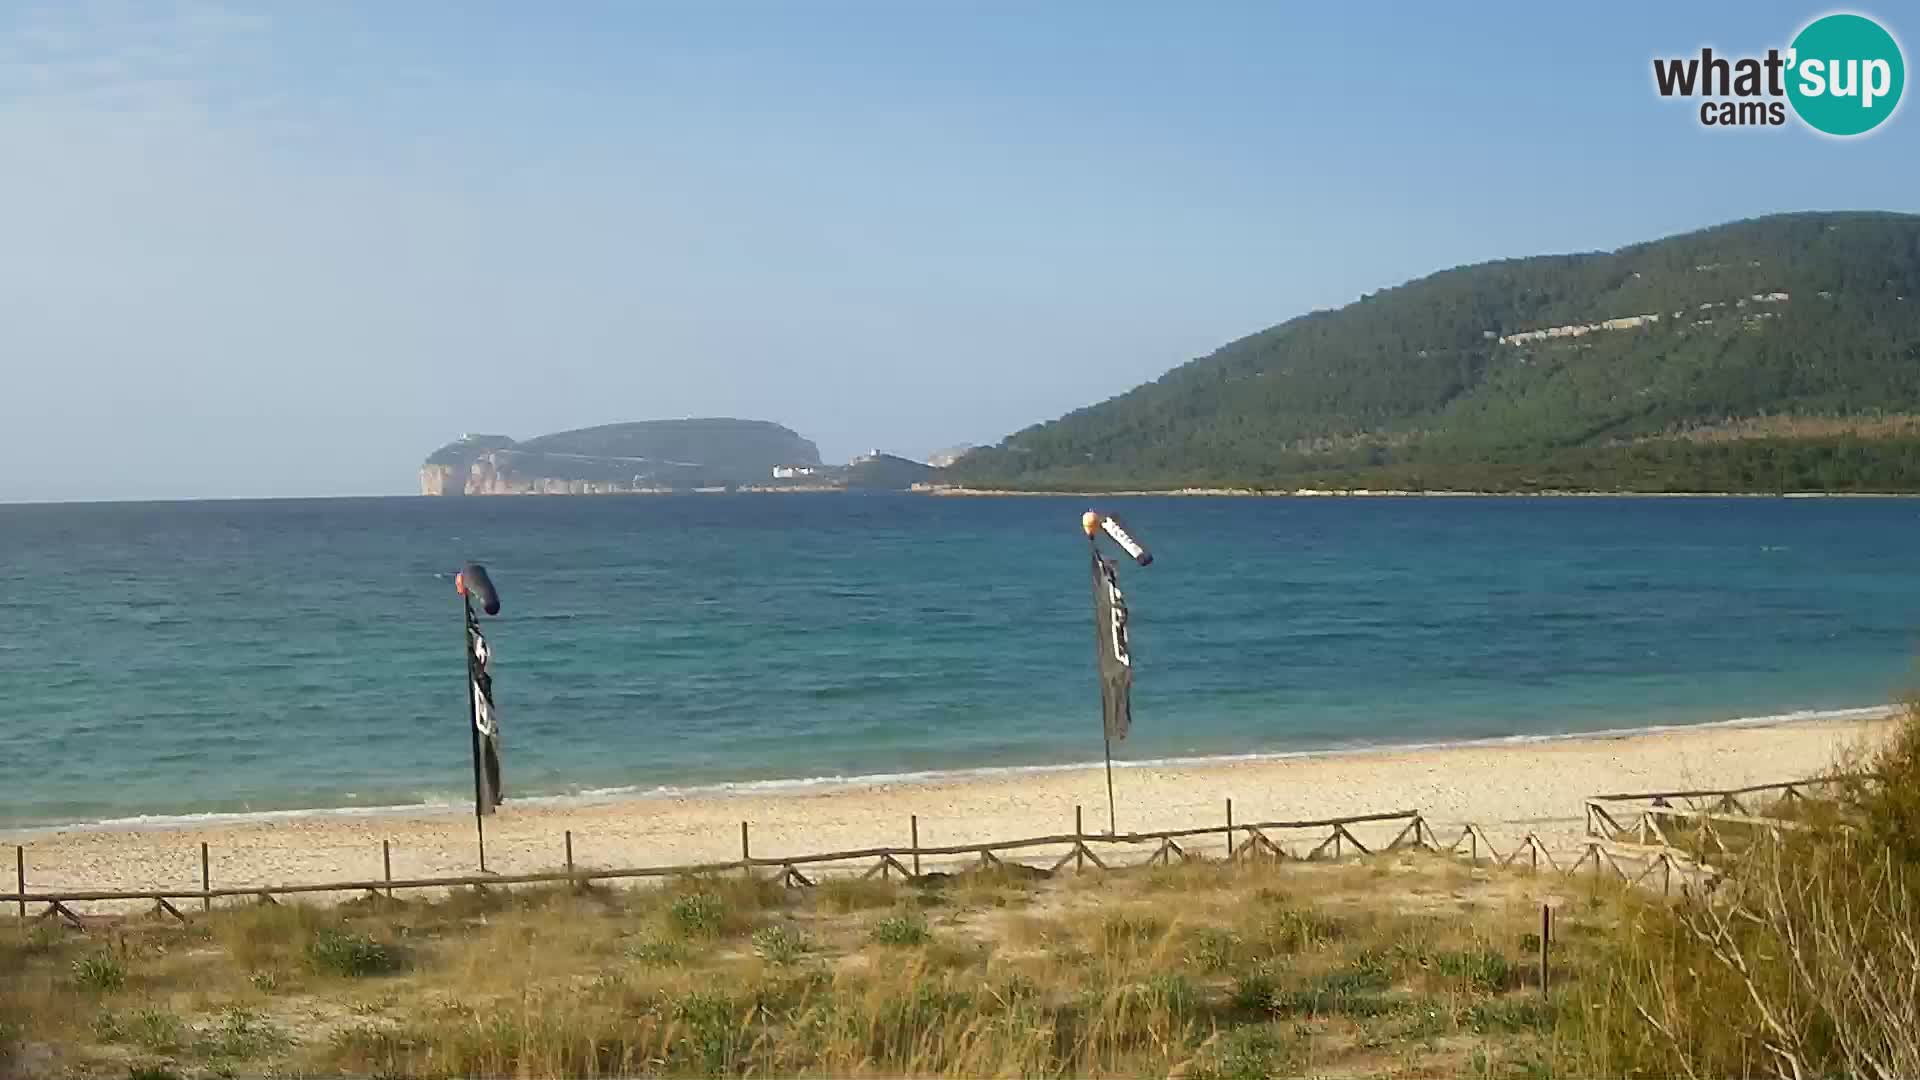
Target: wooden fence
(1633, 854)
(1648, 825)
(1334, 838)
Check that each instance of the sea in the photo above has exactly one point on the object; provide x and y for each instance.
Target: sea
(167, 662)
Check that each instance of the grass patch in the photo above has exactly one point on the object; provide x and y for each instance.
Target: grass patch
(697, 915)
(156, 1029)
(841, 895)
(902, 930)
(653, 953)
(1250, 1053)
(101, 972)
(1483, 970)
(779, 945)
(1250, 970)
(342, 952)
(242, 1034)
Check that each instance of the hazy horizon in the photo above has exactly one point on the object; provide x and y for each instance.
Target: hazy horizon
(290, 252)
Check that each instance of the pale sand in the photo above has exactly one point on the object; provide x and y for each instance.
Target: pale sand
(1509, 789)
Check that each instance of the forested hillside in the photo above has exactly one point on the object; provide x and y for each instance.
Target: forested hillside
(1776, 353)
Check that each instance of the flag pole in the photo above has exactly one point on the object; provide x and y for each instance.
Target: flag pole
(1106, 741)
(473, 731)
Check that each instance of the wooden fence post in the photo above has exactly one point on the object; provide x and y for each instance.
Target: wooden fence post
(914, 821)
(1546, 938)
(386, 865)
(20, 877)
(1079, 846)
(745, 854)
(1229, 830)
(206, 879)
(571, 884)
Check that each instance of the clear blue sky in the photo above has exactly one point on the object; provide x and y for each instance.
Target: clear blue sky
(290, 249)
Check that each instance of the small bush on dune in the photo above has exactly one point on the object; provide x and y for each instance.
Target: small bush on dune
(242, 1033)
(909, 929)
(1254, 991)
(157, 1030)
(1173, 992)
(697, 915)
(1214, 949)
(657, 953)
(100, 972)
(1483, 970)
(1248, 1053)
(340, 952)
(778, 945)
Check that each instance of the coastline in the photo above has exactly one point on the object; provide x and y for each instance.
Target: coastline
(1396, 493)
(1509, 787)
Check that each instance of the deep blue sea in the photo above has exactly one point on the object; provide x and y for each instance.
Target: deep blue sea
(162, 659)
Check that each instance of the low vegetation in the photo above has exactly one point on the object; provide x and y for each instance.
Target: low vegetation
(1801, 961)
(1412, 964)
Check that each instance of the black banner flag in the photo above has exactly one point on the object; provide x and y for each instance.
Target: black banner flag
(486, 718)
(472, 583)
(1110, 643)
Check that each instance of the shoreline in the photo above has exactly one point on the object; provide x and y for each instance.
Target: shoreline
(722, 789)
(1395, 493)
(1508, 788)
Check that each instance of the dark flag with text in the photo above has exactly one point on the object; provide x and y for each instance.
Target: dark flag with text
(486, 718)
(1110, 643)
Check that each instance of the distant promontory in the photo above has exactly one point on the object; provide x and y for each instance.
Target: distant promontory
(645, 456)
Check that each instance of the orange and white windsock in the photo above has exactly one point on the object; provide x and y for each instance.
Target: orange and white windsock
(1094, 521)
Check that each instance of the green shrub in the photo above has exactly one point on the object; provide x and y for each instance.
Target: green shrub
(1529, 1013)
(1173, 992)
(107, 1027)
(1354, 991)
(242, 1033)
(157, 1030)
(906, 929)
(778, 945)
(653, 953)
(1481, 969)
(1246, 1053)
(1254, 990)
(101, 972)
(697, 914)
(341, 952)
(711, 1035)
(1214, 949)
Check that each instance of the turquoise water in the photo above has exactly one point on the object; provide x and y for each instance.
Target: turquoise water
(181, 658)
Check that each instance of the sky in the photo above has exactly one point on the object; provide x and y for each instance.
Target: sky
(289, 249)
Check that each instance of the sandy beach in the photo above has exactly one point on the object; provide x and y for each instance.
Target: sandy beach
(1507, 788)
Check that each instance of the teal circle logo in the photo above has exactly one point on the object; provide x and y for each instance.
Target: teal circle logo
(1845, 74)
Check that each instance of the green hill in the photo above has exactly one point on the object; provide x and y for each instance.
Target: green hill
(1776, 353)
(888, 472)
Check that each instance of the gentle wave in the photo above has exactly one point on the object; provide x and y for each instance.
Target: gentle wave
(436, 804)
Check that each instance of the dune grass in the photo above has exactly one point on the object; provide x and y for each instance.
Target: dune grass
(1409, 965)
(1801, 961)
